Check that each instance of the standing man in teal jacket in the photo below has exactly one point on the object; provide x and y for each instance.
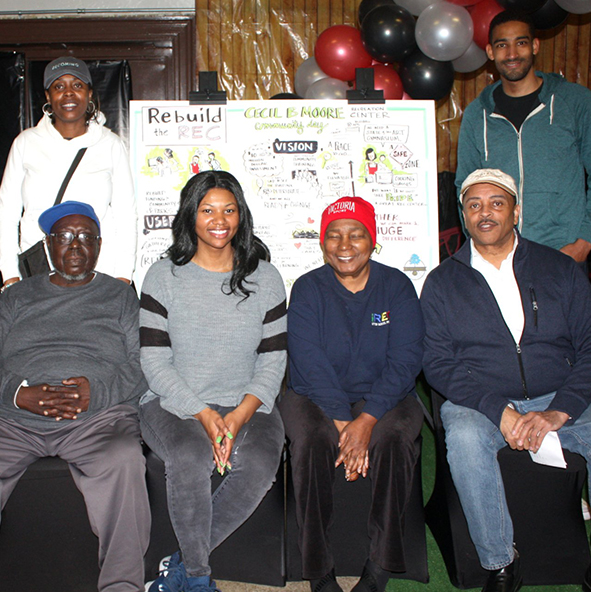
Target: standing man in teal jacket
(537, 128)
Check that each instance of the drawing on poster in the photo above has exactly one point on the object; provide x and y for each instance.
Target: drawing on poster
(292, 161)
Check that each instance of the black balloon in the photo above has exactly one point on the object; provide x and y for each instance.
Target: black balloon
(522, 5)
(424, 78)
(550, 15)
(368, 5)
(388, 33)
(286, 95)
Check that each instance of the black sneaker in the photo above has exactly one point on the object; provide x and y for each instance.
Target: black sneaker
(327, 583)
(373, 578)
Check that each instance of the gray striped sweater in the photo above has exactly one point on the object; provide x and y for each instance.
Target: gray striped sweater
(200, 346)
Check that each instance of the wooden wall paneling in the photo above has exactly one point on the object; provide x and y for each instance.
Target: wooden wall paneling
(545, 58)
(315, 25)
(322, 11)
(584, 52)
(351, 12)
(336, 14)
(558, 56)
(571, 52)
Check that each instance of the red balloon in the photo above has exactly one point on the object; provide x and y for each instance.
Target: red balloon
(482, 14)
(386, 78)
(464, 2)
(378, 63)
(339, 51)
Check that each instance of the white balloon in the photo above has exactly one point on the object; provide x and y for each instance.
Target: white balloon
(328, 88)
(575, 6)
(306, 75)
(415, 7)
(470, 60)
(444, 31)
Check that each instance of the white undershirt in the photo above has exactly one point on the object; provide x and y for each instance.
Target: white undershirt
(504, 287)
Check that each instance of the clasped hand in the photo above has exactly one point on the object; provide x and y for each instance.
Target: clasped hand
(354, 437)
(60, 401)
(221, 432)
(526, 432)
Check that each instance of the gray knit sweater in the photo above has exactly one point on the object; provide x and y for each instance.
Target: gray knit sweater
(200, 346)
(49, 333)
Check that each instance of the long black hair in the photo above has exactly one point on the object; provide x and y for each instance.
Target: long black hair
(246, 247)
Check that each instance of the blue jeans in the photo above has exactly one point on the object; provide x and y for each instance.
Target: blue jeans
(473, 442)
(201, 521)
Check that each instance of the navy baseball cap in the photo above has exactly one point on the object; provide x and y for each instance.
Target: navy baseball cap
(49, 217)
(66, 65)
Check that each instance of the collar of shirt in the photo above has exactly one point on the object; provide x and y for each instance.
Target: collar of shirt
(504, 287)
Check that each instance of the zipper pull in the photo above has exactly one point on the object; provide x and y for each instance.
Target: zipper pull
(534, 305)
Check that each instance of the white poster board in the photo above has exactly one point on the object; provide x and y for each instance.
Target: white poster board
(293, 158)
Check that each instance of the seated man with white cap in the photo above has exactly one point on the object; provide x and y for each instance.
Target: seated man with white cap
(70, 380)
(508, 343)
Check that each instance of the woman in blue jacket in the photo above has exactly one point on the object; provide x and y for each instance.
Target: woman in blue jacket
(355, 341)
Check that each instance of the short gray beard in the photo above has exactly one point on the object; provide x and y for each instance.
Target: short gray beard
(74, 278)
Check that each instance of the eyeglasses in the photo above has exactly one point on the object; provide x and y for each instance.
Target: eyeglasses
(66, 238)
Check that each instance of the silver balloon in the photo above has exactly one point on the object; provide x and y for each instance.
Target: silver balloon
(470, 60)
(575, 6)
(415, 7)
(444, 31)
(328, 88)
(306, 75)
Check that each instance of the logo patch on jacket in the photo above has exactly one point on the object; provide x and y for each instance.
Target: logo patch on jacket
(380, 318)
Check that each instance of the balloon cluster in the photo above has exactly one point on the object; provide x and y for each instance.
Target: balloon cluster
(415, 57)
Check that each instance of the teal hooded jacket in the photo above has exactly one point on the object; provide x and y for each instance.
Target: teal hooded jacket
(549, 157)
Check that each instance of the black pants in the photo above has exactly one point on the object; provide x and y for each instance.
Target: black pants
(393, 452)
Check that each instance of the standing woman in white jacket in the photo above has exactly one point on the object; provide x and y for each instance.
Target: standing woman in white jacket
(40, 158)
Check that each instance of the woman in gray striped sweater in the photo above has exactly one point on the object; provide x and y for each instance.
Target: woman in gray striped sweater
(213, 349)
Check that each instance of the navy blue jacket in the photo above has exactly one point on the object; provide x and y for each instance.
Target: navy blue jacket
(344, 347)
(470, 355)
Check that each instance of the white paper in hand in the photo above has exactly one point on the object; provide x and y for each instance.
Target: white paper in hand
(550, 452)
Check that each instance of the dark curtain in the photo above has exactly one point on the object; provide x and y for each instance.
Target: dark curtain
(451, 236)
(12, 95)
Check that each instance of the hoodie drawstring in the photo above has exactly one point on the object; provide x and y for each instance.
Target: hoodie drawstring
(485, 138)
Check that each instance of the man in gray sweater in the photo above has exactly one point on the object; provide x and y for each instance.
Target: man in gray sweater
(70, 379)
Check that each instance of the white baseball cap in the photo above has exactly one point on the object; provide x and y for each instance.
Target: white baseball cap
(492, 176)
